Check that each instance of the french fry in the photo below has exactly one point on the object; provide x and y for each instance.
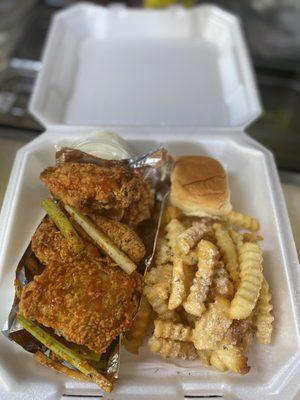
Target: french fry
(173, 230)
(216, 362)
(158, 286)
(159, 274)
(230, 357)
(178, 286)
(171, 315)
(157, 295)
(191, 258)
(213, 325)
(190, 319)
(163, 253)
(252, 237)
(65, 353)
(238, 238)
(230, 353)
(135, 337)
(178, 291)
(168, 348)
(60, 368)
(170, 213)
(204, 356)
(264, 317)
(103, 241)
(221, 284)
(170, 330)
(64, 225)
(228, 252)
(208, 256)
(245, 298)
(191, 236)
(240, 333)
(242, 221)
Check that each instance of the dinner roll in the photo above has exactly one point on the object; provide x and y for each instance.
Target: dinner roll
(200, 187)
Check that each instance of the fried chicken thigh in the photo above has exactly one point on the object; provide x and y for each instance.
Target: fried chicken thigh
(49, 244)
(87, 301)
(93, 188)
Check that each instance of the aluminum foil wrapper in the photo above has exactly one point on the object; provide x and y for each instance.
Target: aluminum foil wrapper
(155, 168)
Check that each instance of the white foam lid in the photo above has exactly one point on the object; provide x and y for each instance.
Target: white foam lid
(119, 66)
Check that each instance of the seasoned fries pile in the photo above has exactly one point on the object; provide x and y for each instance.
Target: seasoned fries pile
(206, 292)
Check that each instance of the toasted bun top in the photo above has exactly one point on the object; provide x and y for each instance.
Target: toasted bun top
(199, 186)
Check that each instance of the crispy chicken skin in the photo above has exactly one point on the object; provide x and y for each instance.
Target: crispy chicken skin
(93, 188)
(49, 245)
(87, 301)
(122, 235)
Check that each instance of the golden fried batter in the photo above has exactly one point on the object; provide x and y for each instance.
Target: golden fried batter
(87, 301)
(122, 235)
(49, 245)
(90, 188)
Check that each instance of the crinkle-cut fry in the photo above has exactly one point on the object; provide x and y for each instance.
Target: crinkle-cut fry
(173, 230)
(191, 236)
(168, 348)
(163, 253)
(252, 237)
(243, 221)
(182, 278)
(158, 286)
(190, 319)
(208, 256)
(178, 286)
(135, 337)
(171, 315)
(170, 330)
(240, 333)
(221, 284)
(160, 274)
(157, 295)
(170, 213)
(204, 356)
(237, 238)
(213, 325)
(251, 276)
(228, 251)
(264, 317)
(60, 368)
(216, 362)
(191, 258)
(232, 357)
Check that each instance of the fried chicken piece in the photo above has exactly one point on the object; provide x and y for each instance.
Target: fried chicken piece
(140, 210)
(49, 245)
(91, 188)
(123, 237)
(87, 301)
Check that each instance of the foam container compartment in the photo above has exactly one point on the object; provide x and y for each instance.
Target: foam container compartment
(121, 70)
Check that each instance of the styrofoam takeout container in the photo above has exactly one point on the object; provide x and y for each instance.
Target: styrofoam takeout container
(181, 78)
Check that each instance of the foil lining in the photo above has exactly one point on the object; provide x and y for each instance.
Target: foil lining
(155, 168)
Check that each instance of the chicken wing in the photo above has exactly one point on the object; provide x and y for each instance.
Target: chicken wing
(93, 188)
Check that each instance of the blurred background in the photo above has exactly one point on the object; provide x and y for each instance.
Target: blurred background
(272, 30)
